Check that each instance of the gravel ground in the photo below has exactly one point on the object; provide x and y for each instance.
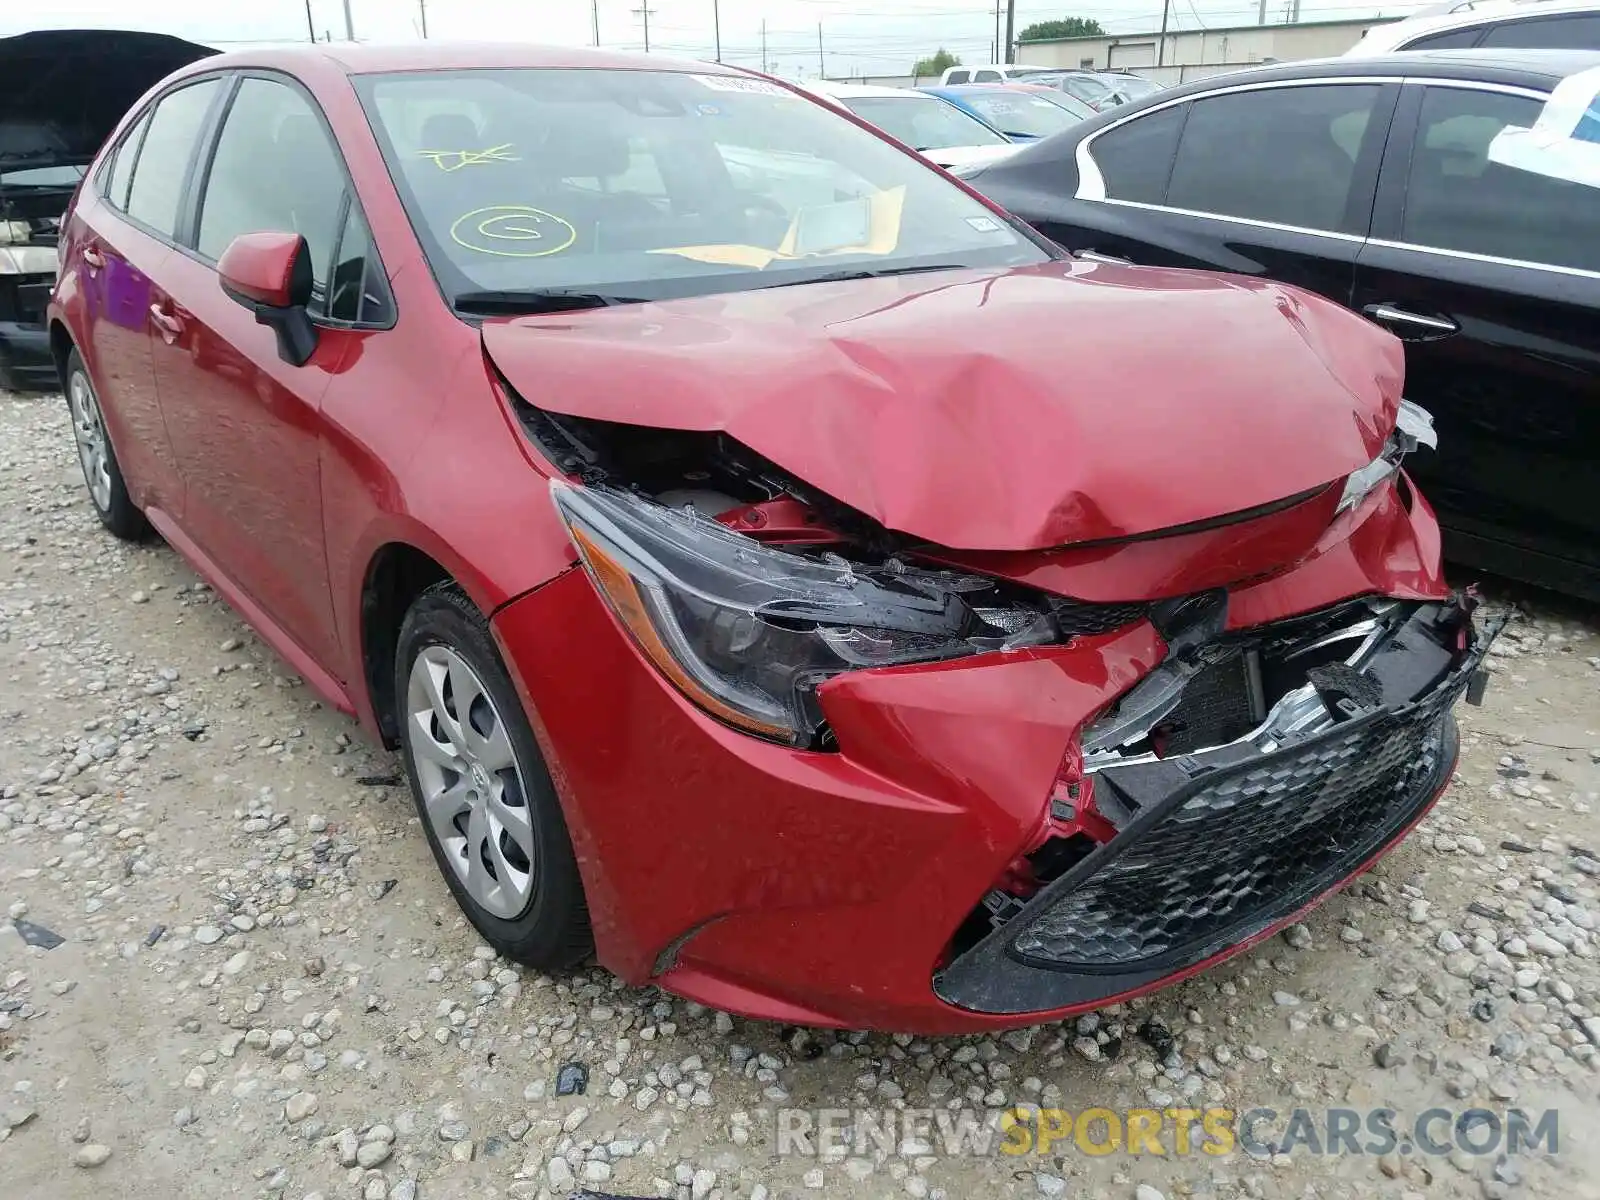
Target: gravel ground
(263, 988)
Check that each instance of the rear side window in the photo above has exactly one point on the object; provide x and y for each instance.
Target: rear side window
(1457, 198)
(1285, 155)
(986, 77)
(156, 190)
(122, 164)
(275, 168)
(1456, 39)
(1135, 159)
(1578, 32)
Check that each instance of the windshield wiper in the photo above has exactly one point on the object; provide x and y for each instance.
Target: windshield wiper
(535, 300)
(868, 273)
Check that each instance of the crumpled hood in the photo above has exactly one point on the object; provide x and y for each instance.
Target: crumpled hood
(66, 89)
(995, 409)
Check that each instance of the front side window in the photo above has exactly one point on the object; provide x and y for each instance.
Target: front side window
(1580, 31)
(958, 77)
(1136, 158)
(275, 168)
(1459, 198)
(358, 291)
(538, 181)
(1021, 114)
(987, 77)
(1284, 155)
(922, 122)
(156, 188)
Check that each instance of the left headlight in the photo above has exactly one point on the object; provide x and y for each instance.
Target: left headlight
(748, 632)
(1413, 427)
(14, 233)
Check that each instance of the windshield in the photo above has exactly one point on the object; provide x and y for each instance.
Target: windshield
(1077, 109)
(1021, 113)
(1134, 86)
(1085, 88)
(42, 177)
(924, 123)
(635, 184)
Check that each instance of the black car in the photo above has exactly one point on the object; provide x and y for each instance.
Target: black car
(64, 91)
(1371, 181)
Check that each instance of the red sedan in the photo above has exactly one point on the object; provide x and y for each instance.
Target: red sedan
(785, 575)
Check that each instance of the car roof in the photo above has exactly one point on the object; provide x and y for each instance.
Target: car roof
(1494, 12)
(366, 58)
(850, 91)
(983, 89)
(1525, 68)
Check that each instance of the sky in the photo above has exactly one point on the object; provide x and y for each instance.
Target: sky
(858, 36)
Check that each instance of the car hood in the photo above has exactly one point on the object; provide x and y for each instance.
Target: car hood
(994, 409)
(967, 156)
(66, 89)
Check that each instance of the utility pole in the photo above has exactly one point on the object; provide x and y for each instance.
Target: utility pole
(645, 12)
(1261, 15)
(349, 24)
(1011, 28)
(716, 25)
(822, 71)
(763, 45)
(995, 56)
(311, 27)
(594, 8)
(422, 13)
(1161, 46)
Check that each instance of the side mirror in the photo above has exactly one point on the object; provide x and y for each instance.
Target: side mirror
(270, 274)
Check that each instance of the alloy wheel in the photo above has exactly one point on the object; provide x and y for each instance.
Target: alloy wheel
(94, 452)
(472, 786)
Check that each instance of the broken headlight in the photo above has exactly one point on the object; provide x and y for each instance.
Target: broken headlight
(1413, 427)
(748, 632)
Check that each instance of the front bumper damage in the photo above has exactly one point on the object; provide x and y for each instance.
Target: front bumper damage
(1216, 844)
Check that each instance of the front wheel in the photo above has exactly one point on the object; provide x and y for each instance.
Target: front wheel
(107, 492)
(483, 792)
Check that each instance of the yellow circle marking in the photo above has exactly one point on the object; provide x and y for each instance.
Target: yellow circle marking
(509, 225)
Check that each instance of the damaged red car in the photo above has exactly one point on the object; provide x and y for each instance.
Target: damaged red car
(786, 576)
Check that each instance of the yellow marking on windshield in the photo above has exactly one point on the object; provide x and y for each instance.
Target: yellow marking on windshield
(513, 231)
(887, 212)
(454, 160)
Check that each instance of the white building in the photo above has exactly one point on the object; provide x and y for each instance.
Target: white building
(1196, 53)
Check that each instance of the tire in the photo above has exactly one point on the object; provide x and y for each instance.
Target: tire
(523, 893)
(102, 476)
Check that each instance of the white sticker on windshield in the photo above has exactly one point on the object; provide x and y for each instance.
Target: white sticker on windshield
(984, 224)
(1564, 142)
(743, 83)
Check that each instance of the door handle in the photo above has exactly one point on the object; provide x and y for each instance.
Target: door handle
(169, 325)
(1096, 256)
(1391, 315)
(92, 258)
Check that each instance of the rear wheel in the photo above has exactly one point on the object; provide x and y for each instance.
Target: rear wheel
(482, 789)
(107, 492)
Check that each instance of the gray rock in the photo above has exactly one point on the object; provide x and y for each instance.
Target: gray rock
(373, 1154)
(95, 1154)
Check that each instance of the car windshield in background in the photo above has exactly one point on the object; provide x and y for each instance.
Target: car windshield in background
(922, 122)
(40, 177)
(628, 184)
(1135, 86)
(1085, 87)
(1075, 108)
(1024, 113)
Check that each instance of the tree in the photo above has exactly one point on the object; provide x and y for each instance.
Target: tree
(938, 64)
(1067, 27)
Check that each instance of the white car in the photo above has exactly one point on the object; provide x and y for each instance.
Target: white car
(1493, 24)
(934, 128)
(989, 73)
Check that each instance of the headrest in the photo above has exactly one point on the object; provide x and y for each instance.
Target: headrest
(586, 151)
(449, 131)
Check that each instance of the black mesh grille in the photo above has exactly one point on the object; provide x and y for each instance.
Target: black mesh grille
(1083, 617)
(1215, 708)
(1247, 843)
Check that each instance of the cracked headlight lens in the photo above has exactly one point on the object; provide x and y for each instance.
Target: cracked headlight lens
(748, 632)
(1413, 427)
